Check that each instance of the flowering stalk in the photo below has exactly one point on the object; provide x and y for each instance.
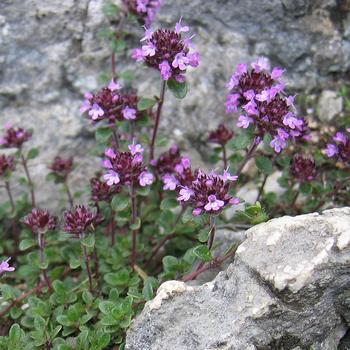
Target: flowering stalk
(159, 111)
(69, 194)
(41, 244)
(87, 261)
(224, 156)
(29, 179)
(9, 193)
(133, 222)
(261, 189)
(212, 232)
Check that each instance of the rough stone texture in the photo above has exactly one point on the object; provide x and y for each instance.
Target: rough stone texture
(50, 53)
(329, 105)
(287, 289)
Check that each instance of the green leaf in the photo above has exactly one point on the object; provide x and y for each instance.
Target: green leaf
(264, 164)
(241, 141)
(144, 191)
(88, 241)
(148, 289)
(26, 244)
(87, 297)
(203, 235)
(118, 45)
(305, 188)
(119, 278)
(145, 103)
(33, 153)
(110, 9)
(169, 203)
(106, 307)
(103, 134)
(179, 90)
(170, 263)
(120, 203)
(203, 253)
(136, 225)
(15, 333)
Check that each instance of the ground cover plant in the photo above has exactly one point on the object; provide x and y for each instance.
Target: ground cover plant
(76, 281)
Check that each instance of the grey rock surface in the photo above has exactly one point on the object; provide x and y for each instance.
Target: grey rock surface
(51, 53)
(329, 105)
(287, 289)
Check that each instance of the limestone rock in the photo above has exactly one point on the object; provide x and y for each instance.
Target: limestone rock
(329, 105)
(287, 289)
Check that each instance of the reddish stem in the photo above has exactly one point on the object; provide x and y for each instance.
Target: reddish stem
(156, 125)
(30, 182)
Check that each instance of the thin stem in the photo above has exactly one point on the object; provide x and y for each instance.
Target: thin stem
(156, 125)
(30, 182)
(115, 137)
(261, 189)
(97, 264)
(9, 193)
(166, 238)
(87, 262)
(215, 263)
(224, 156)
(112, 228)
(133, 221)
(41, 243)
(69, 194)
(249, 154)
(114, 69)
(212, 232)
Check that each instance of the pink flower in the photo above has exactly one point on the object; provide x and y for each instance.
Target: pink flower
(226, 176)
(235, 201)
(180, 61)
(145, 179)
(234, 80)
(194, 59)
(262, 63)
(114, 85)
(251, 108)
(170, 182)
(109, 152)
(197, 211)
(244, 121)
(263, 96)
(249, 95)
(232, 101)
(278, 144)
(165, 70)
(180, 78)
(277, 73)
(135, 148)
(331, 150)
(148, 34)
(138, 55)
(241, 69)
(149, 50)
(129, 113)
(85, 106)
(5, 267)
(213, 203)
(179, 28)
(290, 100)
(96, 111)
(112, 178)
(106, 163)
(340, 137)
(290, 120)
(185, 194)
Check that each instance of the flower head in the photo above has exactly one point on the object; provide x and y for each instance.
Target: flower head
(221, 135)
(126, 168)
(62, 167)
(340, 149)
(80, 219)
(208, 193)
(7, 165)
(40, 221)
(5, 267)
(167, 51)
(144, 10)
(15, 137)
(258, 93)
(303, 168)
(111, 104)
(101, 191)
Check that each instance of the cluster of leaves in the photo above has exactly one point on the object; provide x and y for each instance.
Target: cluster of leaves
(171, 244)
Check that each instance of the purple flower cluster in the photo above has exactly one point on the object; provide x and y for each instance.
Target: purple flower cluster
(340, 149)
(144, 10)
(208, 193)
(303, 168)
(101, 192)
(7, 165)
(126, 168)
(40, 221)
(173, 169)
(167, 51)
(62, 167)
(80, 219)
(110, 104)
(14, 137)
(258, 94)
(5, 267)
(221, 135)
